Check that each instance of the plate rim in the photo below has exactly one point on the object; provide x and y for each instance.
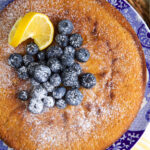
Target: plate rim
(147, 28)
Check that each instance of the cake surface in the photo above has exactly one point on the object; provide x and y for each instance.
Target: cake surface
(107, 110)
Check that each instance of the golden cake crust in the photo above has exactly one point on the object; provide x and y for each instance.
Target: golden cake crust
(117, 60)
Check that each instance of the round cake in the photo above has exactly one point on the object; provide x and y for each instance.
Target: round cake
(107, 110)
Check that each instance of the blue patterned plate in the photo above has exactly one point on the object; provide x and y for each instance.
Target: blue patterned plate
(139, 125)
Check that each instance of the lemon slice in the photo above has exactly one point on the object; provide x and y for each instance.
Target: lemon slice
(33, 25)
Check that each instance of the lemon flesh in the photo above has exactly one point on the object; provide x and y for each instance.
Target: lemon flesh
(33, 25)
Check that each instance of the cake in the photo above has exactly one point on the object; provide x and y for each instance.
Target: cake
(107, 110)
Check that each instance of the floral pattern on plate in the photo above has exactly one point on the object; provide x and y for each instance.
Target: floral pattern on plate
(125, 142)
(119, 4)
(144, 36)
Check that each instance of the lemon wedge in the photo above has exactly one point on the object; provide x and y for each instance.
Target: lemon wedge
(33, 25)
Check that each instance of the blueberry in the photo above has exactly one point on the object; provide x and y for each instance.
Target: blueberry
(63, 67)
(76, 85)
(70, 78)
(77, 68)
(87, 80)
(58, 93)
(32, 49)
(69, 50)
(48, 86)
(61, 104)
(27, 59)
(35, 106)
(15, 60)
(74, 97)
(54, 51)
(31, 68)
(49, 101)
(65, 27)
(34, 82)
(42, 73)
(23, 73)
(62, 40)
(23, 95)
(55, 80)
(42, 62)
(41, 56)
(82, 55)
(67, 60)
(38, 92)
(54, 65)
(75, 40)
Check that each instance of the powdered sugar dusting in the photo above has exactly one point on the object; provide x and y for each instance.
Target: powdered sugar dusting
(6, 77)
(114, 60)
(83, 124)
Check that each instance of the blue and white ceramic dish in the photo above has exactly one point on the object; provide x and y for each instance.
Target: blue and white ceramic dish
(128, 140)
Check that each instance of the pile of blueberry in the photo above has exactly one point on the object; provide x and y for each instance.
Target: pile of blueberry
(54, 74)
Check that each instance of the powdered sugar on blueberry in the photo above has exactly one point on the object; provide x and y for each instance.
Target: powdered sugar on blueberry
(54, 74)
